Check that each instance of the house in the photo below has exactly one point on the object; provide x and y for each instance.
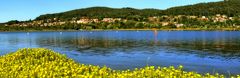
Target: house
(179, 25)
(107, 20)
(231, 18)
(95, 20)
(218, 15)
(73, 21)
(220, 18)
(165, 23)
(61, 23)
(192, 17)
(45, 24)
(55, 19)
(204, 18)
(83, 21)
(111, 19)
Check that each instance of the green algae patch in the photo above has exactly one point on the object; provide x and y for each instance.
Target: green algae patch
(40, 62)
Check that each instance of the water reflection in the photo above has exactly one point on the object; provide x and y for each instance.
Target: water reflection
(155, 36)
(106, 45)
(196, 50)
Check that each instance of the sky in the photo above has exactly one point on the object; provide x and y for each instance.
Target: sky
(30, 9)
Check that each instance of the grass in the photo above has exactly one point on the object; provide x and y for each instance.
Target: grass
(39, 62)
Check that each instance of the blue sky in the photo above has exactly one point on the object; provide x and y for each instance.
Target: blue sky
(30, 9)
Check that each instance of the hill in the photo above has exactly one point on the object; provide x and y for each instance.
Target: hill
(102, 12)
(227, 7)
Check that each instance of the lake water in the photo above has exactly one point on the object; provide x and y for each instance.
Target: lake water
(201, 51)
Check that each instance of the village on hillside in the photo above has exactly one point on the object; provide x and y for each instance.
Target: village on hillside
(177, 21)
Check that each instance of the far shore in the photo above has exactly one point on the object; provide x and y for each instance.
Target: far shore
(175, 29)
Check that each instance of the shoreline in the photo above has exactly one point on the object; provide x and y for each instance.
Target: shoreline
(180, 29)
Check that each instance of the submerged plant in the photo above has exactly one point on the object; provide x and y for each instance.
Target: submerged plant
(41, 62)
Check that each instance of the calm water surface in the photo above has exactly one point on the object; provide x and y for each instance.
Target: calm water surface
(201, 51)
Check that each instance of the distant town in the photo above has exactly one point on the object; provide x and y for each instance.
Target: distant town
(165, 20)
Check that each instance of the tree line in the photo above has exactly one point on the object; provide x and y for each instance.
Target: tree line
(227, 7)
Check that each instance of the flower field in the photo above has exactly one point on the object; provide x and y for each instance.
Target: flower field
(40, 62)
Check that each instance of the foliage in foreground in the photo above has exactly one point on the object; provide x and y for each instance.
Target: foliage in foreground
(41, 62)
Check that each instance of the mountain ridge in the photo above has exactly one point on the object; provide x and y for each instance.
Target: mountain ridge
(100, 12)
(227, 7)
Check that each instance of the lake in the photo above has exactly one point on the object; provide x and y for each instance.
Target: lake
(200, 51)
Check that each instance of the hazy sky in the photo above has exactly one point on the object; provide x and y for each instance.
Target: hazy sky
(30, 9)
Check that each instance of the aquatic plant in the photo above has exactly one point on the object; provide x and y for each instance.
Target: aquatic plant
(39, 62)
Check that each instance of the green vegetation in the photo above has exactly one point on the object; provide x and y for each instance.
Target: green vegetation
(102, 12)
(41, 62)
(228, 7)
(222, 15)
